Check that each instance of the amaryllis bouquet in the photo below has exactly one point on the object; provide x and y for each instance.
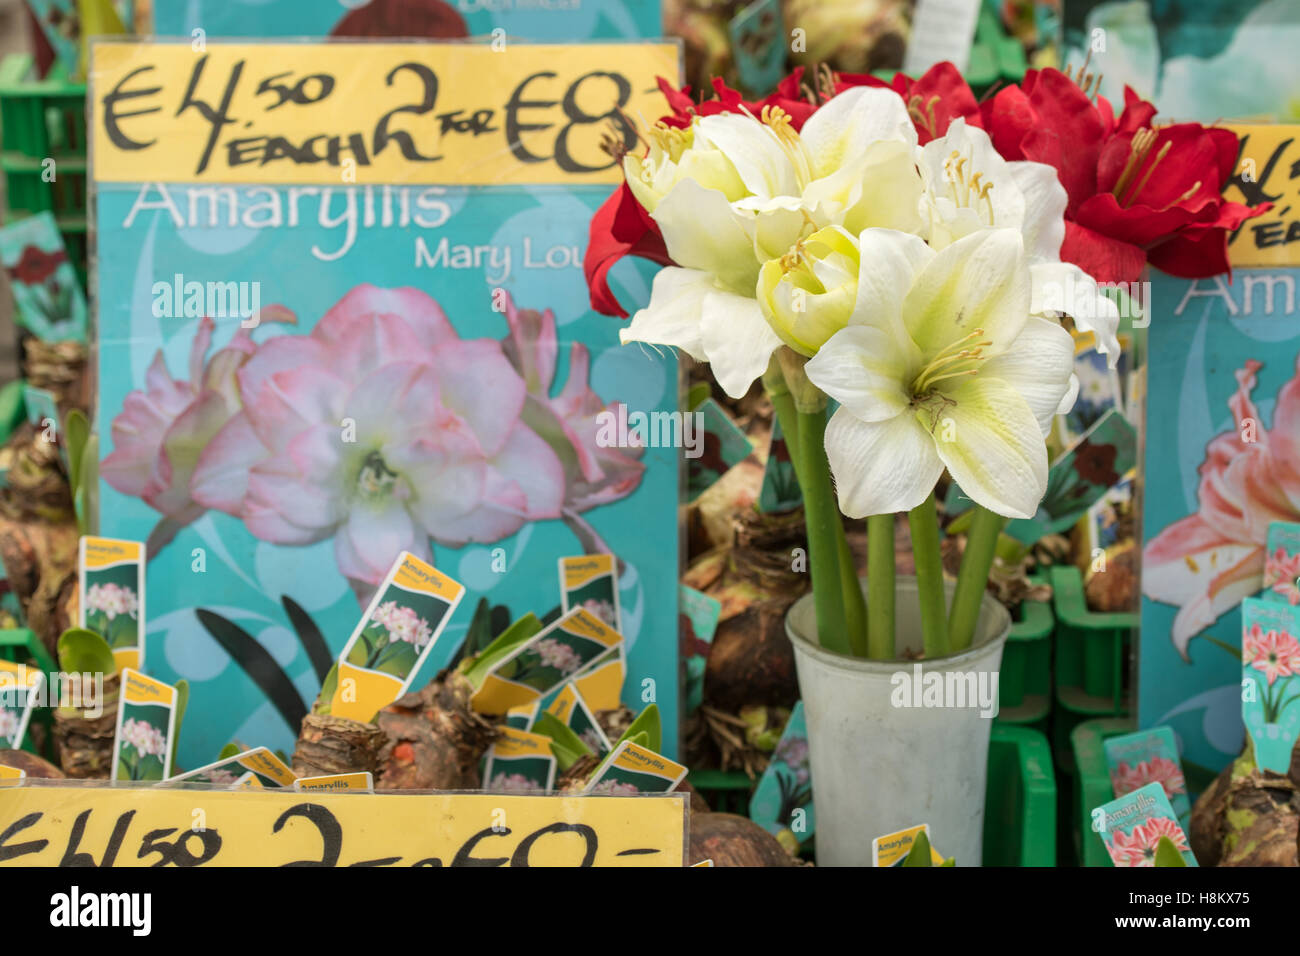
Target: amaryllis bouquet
(911, 253)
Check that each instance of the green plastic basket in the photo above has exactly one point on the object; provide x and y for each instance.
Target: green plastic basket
(1092, 650)
(725, 791)
(1025, 679)
(43, 120)
(1020, 803)
(1090, 786)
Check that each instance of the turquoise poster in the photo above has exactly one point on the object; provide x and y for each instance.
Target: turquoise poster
(566, 20)
(298, 382)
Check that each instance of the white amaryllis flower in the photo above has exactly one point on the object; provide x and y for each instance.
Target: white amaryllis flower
(942, 365)
(969, 186)
(853, 164)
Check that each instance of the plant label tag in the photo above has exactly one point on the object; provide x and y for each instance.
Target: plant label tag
(1270, 682)
(1149, 756)
(110, 596)
(364, 782)
(545, 661)
(522, 718)
(11, 776)
(1282, 563)
(591, 581)
(269, 769)
(20, 689)
(636, 769)
(407, 615)
(723, 446)
(570, 709)
(146, 728)
(1131, 827)
(698, 622)
(783, 798)
(519, 761)
(601, 682)
(892, 848)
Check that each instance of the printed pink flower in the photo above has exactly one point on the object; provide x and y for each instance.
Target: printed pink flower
(593, 474)
(514, 783)
(615, 788)
(1158, 827)
(1130, 849)
(1125, 779)
(558, 655)
(1282, 574)
(112, 600)
(1207, 562)
(403, 623)
(381, 429)
(8, 727)
(162, 428)
(145, 738)
(1273, 653)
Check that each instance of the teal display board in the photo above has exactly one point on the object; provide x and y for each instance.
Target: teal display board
(422, 373)
(1222, 460)
(567, 20)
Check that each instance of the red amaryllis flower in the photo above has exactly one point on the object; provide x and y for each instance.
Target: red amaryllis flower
(1096, 463)
(934, 99)
(35, 265)
(1136, 193)
(619, 228)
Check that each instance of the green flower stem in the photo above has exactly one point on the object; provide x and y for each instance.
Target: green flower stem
(822, 517)
(972, 579)
(923, 521)
(880, 587)
(855, 605)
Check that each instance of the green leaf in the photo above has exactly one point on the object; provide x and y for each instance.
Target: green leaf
(649, 723)
(229, 750)
(327, 688)
(919, 855)
(182, 701)
(567, 745)
(476, 669)
(697, 395)
(76, 429)
(86, 500)
(479, 633)
(951, 861)
(85, 652)
(1167, 853)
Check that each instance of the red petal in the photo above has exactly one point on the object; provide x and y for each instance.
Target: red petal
(1193, 258)
(943, 86)
(1008, 117)
(619, 228)
(1137, 114)
(1103, 258)
(1067, 134)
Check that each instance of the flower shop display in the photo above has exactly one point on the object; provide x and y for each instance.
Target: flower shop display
(1133, 827)
(909, 253)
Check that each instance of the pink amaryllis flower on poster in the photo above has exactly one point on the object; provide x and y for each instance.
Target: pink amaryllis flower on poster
(1207, 562)
(1282, 574)
(381, 429)
(594, 474)
(1273, 653)
(162, 428)
(1138, 847)
(1126, 778)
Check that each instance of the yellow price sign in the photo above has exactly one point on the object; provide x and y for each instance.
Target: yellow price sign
(1268, 170)
(340, 113)
(114, 826)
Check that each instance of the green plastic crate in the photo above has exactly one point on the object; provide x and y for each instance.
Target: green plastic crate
(725, 791)
(1025, 680)
(1092, 649)
(45, 120)
(1020, 804)
(1090, 786)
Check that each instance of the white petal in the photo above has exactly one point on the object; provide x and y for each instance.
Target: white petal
(840, 131)
(1044, 215)
(1064, 287)
(673, 315)
(863, 369)
(1004, 206)
(1040, 366)
(753, 149)
(881, 189)
(978, 282)
(889, 263)
(738, 343)
(991, 443)
(702, 231)
(880, 467)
